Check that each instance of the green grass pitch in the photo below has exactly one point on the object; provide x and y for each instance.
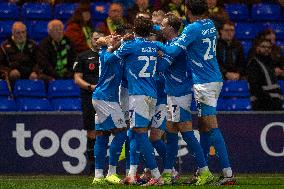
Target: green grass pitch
(245, 181)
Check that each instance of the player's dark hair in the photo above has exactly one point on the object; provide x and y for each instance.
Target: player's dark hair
(173, 21)
(143, 26)
(197, 7)
(123, 29)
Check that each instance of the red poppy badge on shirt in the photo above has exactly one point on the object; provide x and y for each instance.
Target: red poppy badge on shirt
(91, 66)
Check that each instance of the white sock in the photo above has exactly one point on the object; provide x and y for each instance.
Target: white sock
(132, 170)
(227, 172)
(200, 170)
(111, 170)
(156, 173)
(167, 171)
(126, 171)
(99, 173)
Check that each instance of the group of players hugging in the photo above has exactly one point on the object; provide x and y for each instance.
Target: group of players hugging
(145, 84)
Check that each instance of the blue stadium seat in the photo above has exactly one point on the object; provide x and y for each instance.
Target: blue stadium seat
(242, 104)
(235, 89)
(66, 104)
(36, 11)
(263, 11)
(281, 83)
(5, 29)
(63, 88)
(7, 104)
(9, 11)
(29, 88)
(33, 104)
(99, 10)
(38, 30)
(247, 31)
(237, 11)
(246, 46)
(4, 90)
(63, 11)
(279, 30)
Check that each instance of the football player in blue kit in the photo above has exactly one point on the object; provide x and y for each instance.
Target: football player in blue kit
(199, 39)
(110, 118)
(178, 85)
(141, 58)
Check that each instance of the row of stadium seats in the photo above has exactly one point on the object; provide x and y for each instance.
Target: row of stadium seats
(36, 88)
(40, 104)
(44, 11)
(258, 12)
(63, 95)
(236, 11)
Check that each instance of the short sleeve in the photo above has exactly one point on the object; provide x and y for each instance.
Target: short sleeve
(188, 35)
(78, 65)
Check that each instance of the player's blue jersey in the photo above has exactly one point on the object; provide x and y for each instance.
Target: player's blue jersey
(109, 79)
(178, 79)
(200, 39)
(141, 57)
(160, 83)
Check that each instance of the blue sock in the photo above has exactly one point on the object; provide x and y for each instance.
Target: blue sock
(172, 149)
(205, 143)
(146, 150)
(220, 147)
(116, 146)
(194, 147)
(134, 150)
(127, 153)
(160, 146)
(100, 151)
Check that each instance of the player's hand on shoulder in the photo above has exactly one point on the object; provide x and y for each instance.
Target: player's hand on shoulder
(128, 37)
(102, 41)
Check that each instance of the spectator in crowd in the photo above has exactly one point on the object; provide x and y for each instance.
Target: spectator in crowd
(157, 17)
(18, 54)
(114, 20)
(79, 28)
(175, 6)
(230, 53)
(276, 52)
(264, 89)
(217, 13)
(86, 75)
(57, 53)
(140, 6)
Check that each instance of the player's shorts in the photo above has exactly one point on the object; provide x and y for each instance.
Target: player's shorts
(109, 115)
(141, 110)
(160, 118)
(124, 101)
(179, 108)
(206, 96)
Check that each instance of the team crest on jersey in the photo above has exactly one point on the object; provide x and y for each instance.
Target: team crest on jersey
(91, 66)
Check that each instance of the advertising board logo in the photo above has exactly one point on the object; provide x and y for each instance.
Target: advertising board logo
(263, 139)
(20, 134)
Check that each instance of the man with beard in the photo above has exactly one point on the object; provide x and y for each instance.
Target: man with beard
(265, 92)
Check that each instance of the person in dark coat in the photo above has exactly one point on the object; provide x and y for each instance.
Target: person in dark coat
(264, 89)
(57, 53)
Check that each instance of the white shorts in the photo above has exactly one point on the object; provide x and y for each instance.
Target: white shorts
(160, 118)
(179, 108)
(109, 115)
(124, 101)
(207, 93)
(141, 110)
